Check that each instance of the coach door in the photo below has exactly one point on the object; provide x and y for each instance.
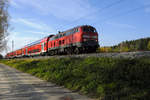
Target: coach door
(26, 51)
(42, 47)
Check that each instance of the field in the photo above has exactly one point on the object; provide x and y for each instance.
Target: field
(103, 78)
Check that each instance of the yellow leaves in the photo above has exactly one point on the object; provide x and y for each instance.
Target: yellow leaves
(105, 49)
(148, 46)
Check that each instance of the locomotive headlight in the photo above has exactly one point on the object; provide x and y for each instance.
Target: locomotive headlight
(94, 37)
(84, 40)
(86, 36)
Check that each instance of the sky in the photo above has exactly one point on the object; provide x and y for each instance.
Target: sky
(115, 20)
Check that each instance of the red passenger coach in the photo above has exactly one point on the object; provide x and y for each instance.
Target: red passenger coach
(24, 51)
(18, 53)
(44, 45)
(81, 39)
(36, 48)
(33, 49)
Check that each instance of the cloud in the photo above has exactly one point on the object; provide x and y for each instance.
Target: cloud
(63, 9)
(121, 25)
(147, 10)
(38, 32)
(35, 28)
(19, 41)
(14, 4)
(34, 24)
(145, 2)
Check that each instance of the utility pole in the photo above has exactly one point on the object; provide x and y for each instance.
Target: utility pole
(12, 45)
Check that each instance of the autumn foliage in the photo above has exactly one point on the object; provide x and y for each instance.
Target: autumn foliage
(128, 46)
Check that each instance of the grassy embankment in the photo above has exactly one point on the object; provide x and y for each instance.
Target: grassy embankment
(127, 79)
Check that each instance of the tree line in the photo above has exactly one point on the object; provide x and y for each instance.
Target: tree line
(142, 44)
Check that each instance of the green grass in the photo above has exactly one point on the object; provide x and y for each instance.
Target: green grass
(127, 79)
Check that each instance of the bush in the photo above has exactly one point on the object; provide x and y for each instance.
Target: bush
(1, 56)
(104, 78)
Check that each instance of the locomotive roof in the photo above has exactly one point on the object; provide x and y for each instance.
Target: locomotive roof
(77, 27)
(73, 28)
(60, 34)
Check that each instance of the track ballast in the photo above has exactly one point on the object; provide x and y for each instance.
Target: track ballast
(111, 55)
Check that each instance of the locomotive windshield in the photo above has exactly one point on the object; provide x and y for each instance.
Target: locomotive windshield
(88, 29)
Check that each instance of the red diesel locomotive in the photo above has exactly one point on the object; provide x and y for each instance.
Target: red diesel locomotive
(81, 39)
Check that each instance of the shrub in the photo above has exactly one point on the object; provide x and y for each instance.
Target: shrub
(105, 78)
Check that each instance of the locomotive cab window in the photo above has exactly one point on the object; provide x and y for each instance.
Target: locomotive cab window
(88, 29)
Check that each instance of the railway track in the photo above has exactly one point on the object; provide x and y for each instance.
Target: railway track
(111, 55)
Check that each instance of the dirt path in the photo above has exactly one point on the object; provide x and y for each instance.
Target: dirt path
(15, 85)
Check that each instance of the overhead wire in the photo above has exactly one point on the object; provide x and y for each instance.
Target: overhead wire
(127, 12)
(101, 9)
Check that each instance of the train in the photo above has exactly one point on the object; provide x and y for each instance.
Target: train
(80, 39)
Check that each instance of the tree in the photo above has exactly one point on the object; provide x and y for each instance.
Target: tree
(1, 56)
(3, 23)
(148, 45)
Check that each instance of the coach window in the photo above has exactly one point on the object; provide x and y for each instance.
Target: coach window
(72, 31)
(63, 41)
(56, 37)
(61, 35)
(64, 34)
(51, 38)
(77, 30)
(67, 33)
